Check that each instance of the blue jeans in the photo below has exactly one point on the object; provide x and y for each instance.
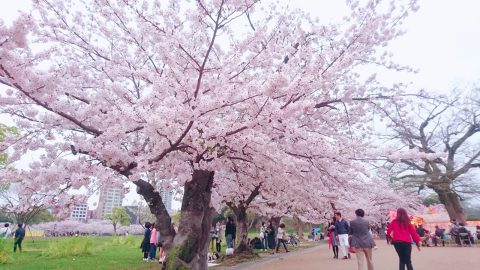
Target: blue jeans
(153, 251)
(265, 242)
(229, 238)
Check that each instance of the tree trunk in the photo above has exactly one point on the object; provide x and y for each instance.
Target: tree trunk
(242, 230)
(452, 203)
(190, 245)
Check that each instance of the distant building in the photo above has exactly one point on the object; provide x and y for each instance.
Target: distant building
(90, 214)
(167, 198)
(110, 197)
(80, 212)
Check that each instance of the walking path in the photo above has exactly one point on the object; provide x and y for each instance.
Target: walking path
(385, 258)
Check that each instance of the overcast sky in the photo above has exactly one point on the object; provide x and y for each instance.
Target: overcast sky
(442, 42)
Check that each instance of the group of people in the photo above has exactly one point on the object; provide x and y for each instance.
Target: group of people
(216, 237)
(458, 233)
(461, 235)
(357, 237)
(18, 235)
(151, 241)
(268, 238)
(338, 232)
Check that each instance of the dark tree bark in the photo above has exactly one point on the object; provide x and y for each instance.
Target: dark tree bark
(240, 211)
(242, 230)
(187, 248)
(452, 204)
(190, 246)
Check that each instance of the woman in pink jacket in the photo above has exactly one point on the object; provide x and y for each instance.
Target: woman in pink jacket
(153, 243)
(402, 233)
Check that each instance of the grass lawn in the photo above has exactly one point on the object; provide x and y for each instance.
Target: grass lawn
(106, 253)
(99, 253)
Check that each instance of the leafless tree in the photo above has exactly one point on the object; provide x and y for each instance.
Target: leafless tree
(446, 130)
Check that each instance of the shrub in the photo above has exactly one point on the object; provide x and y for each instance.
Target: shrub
(74, 246)
(128, 241)
(5, 251)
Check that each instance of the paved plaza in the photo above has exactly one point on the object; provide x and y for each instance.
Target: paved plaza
(385, 258)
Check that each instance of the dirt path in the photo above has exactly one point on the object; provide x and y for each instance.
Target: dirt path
(385, 258)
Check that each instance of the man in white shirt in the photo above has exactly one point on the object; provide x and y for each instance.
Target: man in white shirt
(5, 232)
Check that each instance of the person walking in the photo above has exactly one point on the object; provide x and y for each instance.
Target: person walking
(402, 233)
(362, 240)
(281, 235)
(263, 236)
(332, 238)
(19, 236)
(153, 244)
(5, 232)
(270, 237)
(342, 228)
(145, 246)
(230, 232)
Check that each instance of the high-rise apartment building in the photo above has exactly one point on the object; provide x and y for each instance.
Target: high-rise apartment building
(167, 198)
(110, 197)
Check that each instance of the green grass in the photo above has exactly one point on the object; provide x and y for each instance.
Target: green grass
(102, 253)
(99, 253)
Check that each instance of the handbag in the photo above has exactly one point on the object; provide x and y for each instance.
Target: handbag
(352, 249)
(229, 252)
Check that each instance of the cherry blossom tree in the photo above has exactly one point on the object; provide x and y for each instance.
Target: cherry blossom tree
(182, 89)
(4, 131)
(445, 128)
(308, 199)
(98, 227)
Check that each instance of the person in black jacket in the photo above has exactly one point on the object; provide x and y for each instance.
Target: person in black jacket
(271, 237)
(230, 232)
(145, 246)
(19, 236)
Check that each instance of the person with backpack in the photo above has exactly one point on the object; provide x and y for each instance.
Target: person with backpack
(19, 236)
